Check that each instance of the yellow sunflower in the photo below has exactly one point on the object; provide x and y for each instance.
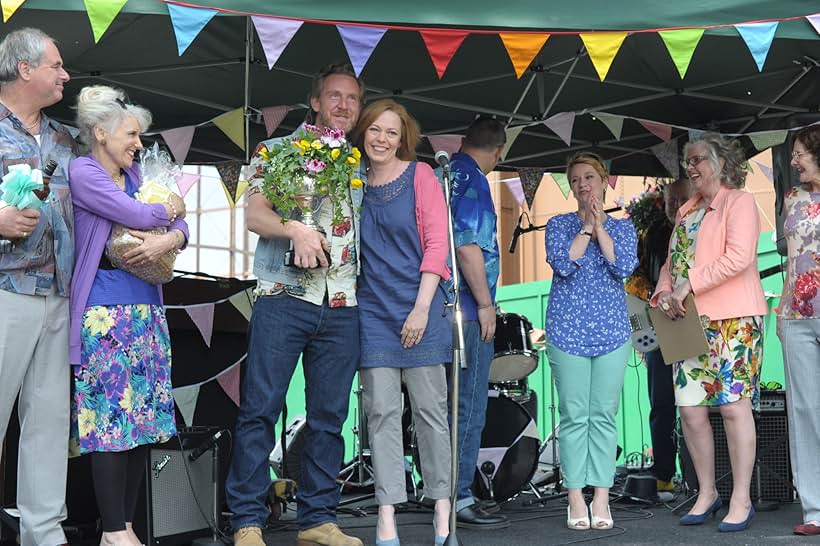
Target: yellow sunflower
(98, 321)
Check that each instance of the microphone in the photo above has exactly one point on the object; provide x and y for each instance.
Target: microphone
(443, 159)
(205, 446)
(514, 241)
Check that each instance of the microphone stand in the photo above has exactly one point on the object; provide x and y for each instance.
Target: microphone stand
(459, 361)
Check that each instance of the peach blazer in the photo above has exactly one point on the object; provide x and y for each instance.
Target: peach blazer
(724, 279)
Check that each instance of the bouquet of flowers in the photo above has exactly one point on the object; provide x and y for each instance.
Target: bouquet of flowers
(314, 162)
(646, 208)
(158, 173)
(19, 186)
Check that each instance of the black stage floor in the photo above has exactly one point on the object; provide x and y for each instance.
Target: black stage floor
(546, 524)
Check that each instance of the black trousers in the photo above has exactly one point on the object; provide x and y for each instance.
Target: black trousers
(117, 480)
(661, 415)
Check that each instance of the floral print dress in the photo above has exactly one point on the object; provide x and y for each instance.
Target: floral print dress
(731, 369)
(801, 226)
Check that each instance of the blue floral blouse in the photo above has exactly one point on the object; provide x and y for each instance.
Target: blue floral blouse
(586, 314)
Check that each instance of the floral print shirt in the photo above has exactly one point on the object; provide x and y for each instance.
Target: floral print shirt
(801, 297)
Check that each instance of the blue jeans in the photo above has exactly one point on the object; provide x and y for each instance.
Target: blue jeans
(661, 415)
(281, 328)
(472, 408)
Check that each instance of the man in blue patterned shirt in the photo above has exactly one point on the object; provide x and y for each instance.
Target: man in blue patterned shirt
(35, 272)
(474, 225)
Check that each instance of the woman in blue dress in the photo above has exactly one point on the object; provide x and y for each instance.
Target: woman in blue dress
(406, 334)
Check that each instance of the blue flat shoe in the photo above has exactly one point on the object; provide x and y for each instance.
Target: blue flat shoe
(724, 527)
(439, 540)
(389, 542)
(700, 519)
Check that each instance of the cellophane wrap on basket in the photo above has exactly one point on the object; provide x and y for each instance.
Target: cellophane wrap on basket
(158, 174)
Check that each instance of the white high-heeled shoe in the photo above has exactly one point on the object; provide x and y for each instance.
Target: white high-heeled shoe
(577, 524)
(601, 524)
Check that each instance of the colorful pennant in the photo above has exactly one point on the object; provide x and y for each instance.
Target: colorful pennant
(441, 45)
(185, 400)
(229, 173)
(766, 170)
(188, 23)
(203, 317)
(9, 7)
(660, 130)
(101, 13)
(243, 302)
(530, 180)
(602, 48)
(449, 143)
(695, 134)
(758, 38)
(613, 180)
(767, 139)
(274, 34)
(562, 182)
(512, 134)
(360, 41)
(516, 189)
(613, 122)
(681, 46)
(561, 124)
(522, 48)
(230, 382)
(179, 141)
(273, 116)
(233, 125)
(814, 20)
(185, 182)
(667, 154)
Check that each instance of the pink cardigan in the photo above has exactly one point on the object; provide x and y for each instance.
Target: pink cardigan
(725, 280)
(431, 220)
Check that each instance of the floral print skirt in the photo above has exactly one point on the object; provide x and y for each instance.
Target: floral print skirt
(729, 371)
(122, 390)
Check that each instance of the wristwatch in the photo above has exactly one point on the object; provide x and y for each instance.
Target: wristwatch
(585, 232)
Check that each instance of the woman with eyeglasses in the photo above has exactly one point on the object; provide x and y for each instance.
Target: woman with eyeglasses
(119, 343)
(713, 255)
(590, 254)
(798, 324)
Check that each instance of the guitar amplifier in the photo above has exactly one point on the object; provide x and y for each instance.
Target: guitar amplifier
(772, 476)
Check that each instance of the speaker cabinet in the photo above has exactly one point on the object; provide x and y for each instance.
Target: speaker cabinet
(179, 493)
(772, 476)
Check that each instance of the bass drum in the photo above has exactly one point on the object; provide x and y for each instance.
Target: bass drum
(508, 455)
(514, 358)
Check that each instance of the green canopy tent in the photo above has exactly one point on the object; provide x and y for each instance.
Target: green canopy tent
(225, 68)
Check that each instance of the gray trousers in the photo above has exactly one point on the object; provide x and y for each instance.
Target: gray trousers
(801, 357)
(34, 363)
(427, 387)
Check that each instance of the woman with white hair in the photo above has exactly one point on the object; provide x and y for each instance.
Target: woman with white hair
(120, 349)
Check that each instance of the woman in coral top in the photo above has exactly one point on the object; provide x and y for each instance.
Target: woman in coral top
(798, 325)
(713, 255)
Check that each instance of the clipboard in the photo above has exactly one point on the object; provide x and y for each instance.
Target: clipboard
(680, 339)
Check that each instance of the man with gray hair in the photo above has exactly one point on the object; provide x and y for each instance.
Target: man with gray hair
(35, 273)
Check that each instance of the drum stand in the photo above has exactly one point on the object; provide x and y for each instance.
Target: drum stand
(358, 473)
(558, 485)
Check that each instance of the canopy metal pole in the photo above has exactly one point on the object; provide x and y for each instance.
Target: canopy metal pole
(806, 70)
(178, 96)
(246, 111)
(562, 84)
(521, 99)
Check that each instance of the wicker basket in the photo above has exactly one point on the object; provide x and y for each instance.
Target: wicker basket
(120, 242)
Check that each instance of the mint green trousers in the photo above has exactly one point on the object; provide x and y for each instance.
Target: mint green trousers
(589, 392)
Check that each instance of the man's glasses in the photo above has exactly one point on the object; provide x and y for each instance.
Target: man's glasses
(692, 161)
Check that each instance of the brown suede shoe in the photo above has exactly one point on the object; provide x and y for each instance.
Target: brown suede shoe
(248, 536)
(327, 534)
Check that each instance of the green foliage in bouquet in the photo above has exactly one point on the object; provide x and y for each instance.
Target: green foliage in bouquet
(646, 208)
(322, 154)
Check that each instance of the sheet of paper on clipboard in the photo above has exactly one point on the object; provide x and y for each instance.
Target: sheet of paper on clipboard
(680, 339)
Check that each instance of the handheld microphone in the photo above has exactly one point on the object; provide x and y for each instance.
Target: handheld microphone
(443, 159)
(205, 446)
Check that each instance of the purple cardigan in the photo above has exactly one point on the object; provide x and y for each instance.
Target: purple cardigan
(98, 204)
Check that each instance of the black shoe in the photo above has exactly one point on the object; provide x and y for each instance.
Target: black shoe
(489, 506)
(473, 517)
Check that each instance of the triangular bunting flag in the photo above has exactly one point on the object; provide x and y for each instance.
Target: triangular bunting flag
(229, 173)
(695, 134)
(613, 180)
(562, 182)
(767, 139)
(613, 122)
(667, 154)
(273, 116)
(512, 133)
(275, 34)
(449, 143)
(101, 13)
(241, 188)
(360, 43)
(522, 47)
(179, 141)
(660, 130)
(203, 317)
(681, 45)
(530, 180)
(814, 20)
(188, 23)
(758, 38)
(185, 181)
(185, 400)
(766, 170)
(442, 45)
(602, 48)
(561, 124)
(243, 301)
(9, 7)
(516, 189)
(233, 124)
(229, 381)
